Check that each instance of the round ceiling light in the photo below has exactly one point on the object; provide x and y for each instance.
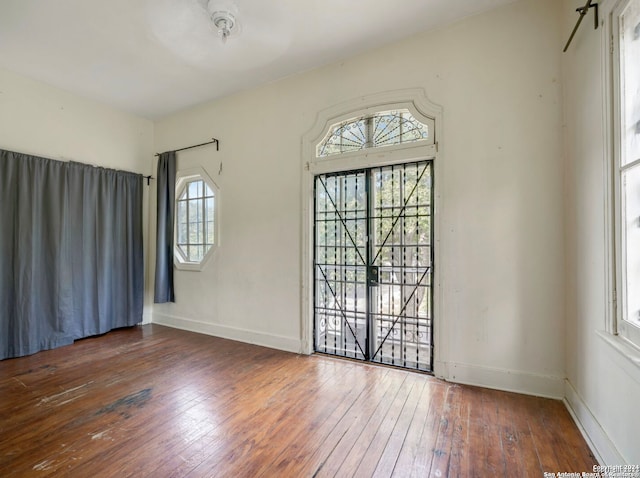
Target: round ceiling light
(223, 16)
(225, 22)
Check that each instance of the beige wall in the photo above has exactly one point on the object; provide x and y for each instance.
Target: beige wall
(44, 121)
(603, 386)
(497, 78)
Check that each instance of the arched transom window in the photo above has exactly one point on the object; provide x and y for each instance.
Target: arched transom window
(384, 128)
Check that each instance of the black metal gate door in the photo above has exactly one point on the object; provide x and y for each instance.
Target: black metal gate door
(373, 265)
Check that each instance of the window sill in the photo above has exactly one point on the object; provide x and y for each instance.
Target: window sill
(189, 266)
(622, 346)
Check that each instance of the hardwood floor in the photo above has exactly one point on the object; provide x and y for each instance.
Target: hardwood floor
(159, 402)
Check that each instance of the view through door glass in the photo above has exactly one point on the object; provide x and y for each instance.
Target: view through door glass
(373, 265)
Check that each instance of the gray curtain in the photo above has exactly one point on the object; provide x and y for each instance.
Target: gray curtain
(166, 181)
(71, 256)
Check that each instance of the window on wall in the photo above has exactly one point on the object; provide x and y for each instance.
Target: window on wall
(385, 128)
(626, 121)
(195, 221)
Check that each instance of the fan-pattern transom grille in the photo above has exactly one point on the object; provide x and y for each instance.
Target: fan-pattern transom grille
(382, 129)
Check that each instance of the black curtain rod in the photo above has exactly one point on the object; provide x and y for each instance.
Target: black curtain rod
(583, 11)
(214, 140)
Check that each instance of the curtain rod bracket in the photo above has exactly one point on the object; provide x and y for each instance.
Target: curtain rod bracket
(148, 178)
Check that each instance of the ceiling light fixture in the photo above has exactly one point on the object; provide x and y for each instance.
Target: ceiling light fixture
(225, 22)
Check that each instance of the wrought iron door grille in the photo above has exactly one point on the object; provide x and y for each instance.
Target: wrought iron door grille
(340, 264)
(373, 265)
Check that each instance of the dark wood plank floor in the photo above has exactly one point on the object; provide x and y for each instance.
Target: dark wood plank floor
(158, 402)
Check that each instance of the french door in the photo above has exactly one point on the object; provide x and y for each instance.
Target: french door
(373, 264)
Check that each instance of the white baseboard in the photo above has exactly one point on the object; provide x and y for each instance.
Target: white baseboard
(147, 316)
(508, 380)
(441, 369)
(279, 342)
(602, 447)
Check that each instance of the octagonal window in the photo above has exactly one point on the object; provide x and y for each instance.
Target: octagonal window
(195, 221)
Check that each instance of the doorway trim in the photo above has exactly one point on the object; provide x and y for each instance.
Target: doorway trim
(416, 101)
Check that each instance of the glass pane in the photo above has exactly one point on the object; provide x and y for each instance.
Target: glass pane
(194, 233)
(196, 253)
(181, 222)
(207, 190)
(181, 212)
(388, 129)
(631, 232)
(209, 207)
(195, 189)
(630, 88)
(195, 210)
(210, 237)
(182, 233)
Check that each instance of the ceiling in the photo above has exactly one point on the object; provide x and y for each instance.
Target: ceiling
(154, 57)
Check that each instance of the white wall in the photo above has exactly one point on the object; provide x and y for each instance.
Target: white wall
(44, 121)
(497, 77)
(603, 386)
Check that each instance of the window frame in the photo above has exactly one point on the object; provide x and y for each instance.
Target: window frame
(183, 178)
(616, 324)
